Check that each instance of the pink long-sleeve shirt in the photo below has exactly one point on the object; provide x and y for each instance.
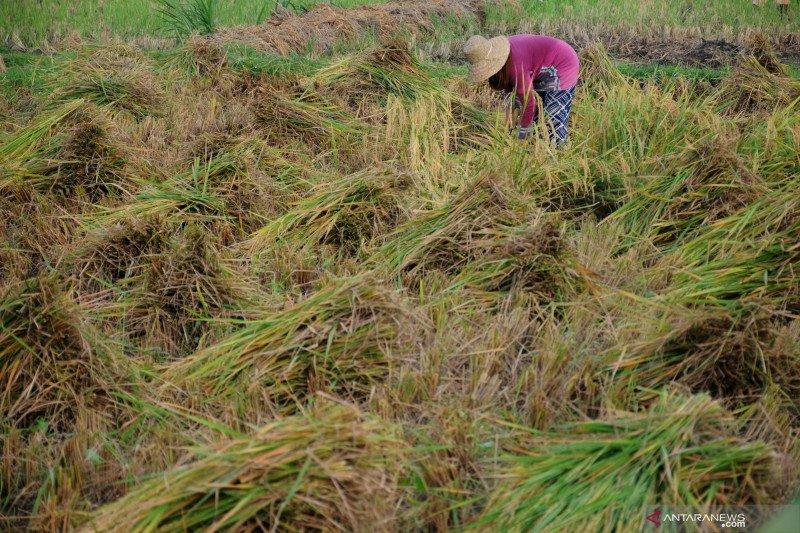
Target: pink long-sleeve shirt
(541, 63)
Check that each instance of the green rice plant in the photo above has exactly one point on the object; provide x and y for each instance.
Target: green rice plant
(184, 17)
(643, 131)
(331, 340)
(607, 474)
(332, 468)
(49, 20)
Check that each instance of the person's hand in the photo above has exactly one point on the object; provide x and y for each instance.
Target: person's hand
(523, 133)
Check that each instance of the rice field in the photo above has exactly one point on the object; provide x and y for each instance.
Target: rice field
(47, 23)
(329, 291)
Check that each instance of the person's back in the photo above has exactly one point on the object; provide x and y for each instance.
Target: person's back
(549, 61)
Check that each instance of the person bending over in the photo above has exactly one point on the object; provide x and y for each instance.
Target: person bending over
(522, 64)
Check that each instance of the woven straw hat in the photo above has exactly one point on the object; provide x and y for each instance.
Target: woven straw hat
(486, 56)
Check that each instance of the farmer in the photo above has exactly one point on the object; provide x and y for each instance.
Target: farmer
(522, 64)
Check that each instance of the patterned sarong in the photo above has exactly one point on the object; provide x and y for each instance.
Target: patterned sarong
(557, 105)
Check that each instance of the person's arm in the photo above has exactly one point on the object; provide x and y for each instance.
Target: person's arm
(524, 90)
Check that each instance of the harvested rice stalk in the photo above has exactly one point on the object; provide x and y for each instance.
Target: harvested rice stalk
(752, 87)
(749, 255)
(89, 161)
(731, 357)
(529, 257)
(162, 281)
(22, 153)
(178, 290)
(332, 340)
(346, 212)
(607, 474)
(115, 76)
(332, 469)
(421, 133)
(201, 56)
(23, 144)
(389, 68)
(288, 111)
(115, 252)
(713, 183)
(759, 46)
(35, 231)
(188, 195)
(597, 69)
(449, 237)
(255, 181)
(52, 360)
(385, 84)
(323, 26)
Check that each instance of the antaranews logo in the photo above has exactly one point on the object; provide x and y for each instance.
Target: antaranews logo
(654, 517)
(720, 520)
(742, 518)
